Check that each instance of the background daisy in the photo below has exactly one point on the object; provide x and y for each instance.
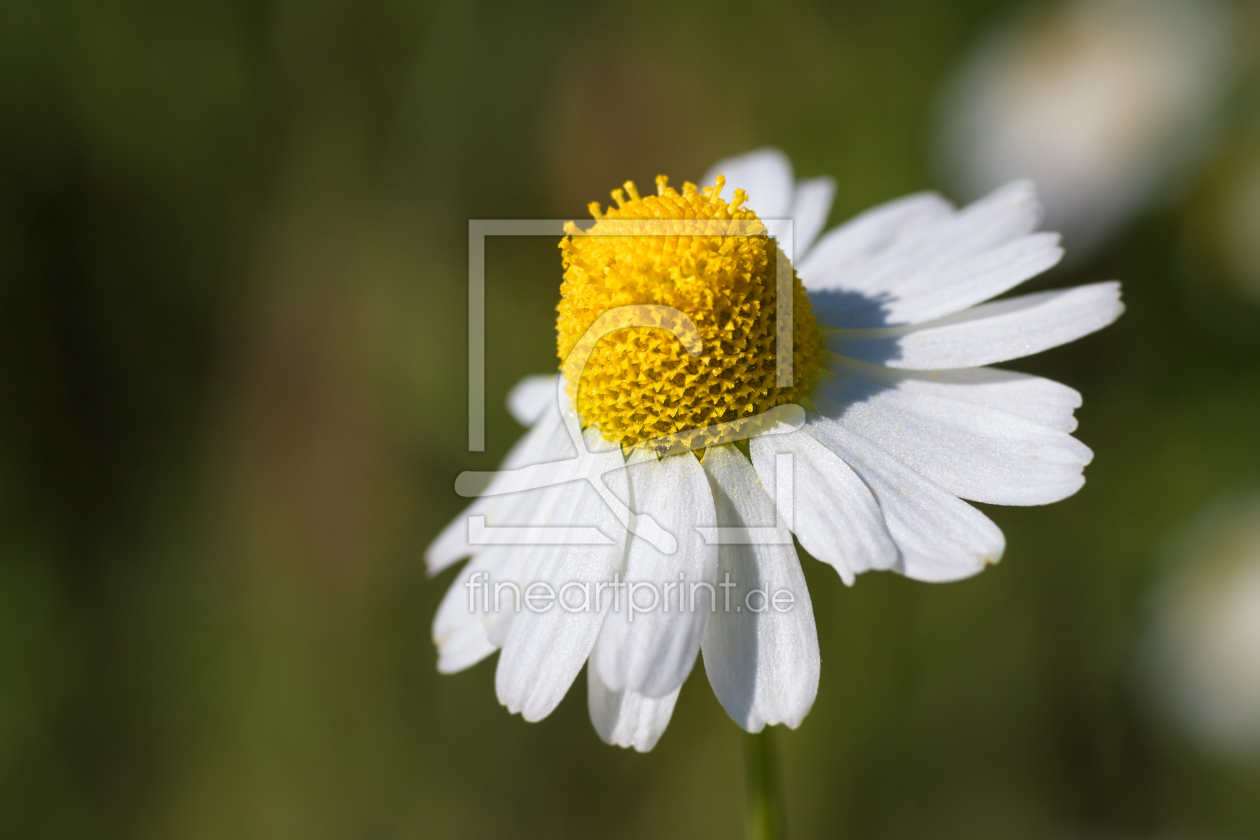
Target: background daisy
(1102, 102)
(1204, 635)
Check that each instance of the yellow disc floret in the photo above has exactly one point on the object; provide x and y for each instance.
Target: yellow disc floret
(719, 270)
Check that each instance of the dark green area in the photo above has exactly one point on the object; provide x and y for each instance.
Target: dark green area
(233, 404)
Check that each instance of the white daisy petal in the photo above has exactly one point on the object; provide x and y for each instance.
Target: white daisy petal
(868, 235)
(555, 506)
(652, 652)
(463, 650)
(763, 666)
(518, 565)
(810, 206)
(939, 536)
(934, 289)
(547, 442)
(972, 451)
(1043, 401)
(992, 332)
(944, 267)
(923, 229)
(1010, 211)
(627, 718)
(530, 397)
(458, 627)
(548, 642)
(468, 625)
(835, 515)
(452, 545)
(766, 175)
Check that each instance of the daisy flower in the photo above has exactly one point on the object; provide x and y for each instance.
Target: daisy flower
(667, 474)
(1204, 640)
(1100, 102)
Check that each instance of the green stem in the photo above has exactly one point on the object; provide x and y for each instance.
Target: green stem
(766, 815)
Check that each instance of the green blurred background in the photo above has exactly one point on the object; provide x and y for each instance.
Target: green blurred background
(233, 404)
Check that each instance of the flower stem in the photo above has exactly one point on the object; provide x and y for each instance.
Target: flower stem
(766, 817)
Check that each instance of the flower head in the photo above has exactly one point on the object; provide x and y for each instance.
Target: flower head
(598, 545)
(641, 384)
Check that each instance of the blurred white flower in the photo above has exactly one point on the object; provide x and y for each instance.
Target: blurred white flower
(1204, 642)
(1100, 102)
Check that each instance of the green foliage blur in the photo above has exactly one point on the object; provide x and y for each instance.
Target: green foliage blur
(233, 404)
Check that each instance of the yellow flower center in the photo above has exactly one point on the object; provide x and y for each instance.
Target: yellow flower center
(719, 270)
